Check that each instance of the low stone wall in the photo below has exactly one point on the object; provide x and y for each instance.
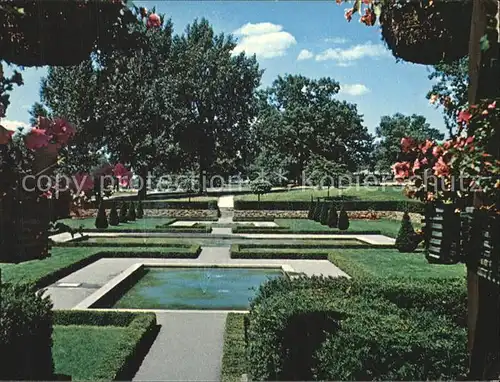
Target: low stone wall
(271, 214)
(179, 214)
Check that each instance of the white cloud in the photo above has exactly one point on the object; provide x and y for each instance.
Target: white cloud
(12, 125)
(336, 40)
(256, 29)
(305, 55)
(353, 53)
(265, 40)
(354, 89)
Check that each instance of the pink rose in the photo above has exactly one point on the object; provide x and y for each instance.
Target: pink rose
(62, 131)
(5, 135)
(401, 170)
(154, 21)
(464, 116)
(37, 138)
(492, 105)
(426, 146)
(407, 144)
(437, 151)
(441, 168)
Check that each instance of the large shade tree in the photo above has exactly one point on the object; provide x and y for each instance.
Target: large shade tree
(215, 98)
(301, 119)
(393, 128)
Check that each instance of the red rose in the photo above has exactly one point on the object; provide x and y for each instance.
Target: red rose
(407, 144)
(441, 168)
(154, 21)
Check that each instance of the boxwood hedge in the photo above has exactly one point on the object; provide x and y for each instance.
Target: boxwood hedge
(25, 334)
(338, 329)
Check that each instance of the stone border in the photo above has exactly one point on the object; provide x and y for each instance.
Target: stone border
(132, 271)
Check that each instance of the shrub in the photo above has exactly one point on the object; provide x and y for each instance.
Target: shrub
(343, 224)
(338, 329)
(333, 217)
(406, 239)
(323, 218)
(317, 211)
(114, 219)
(260, 186)
(350, 205)
(123, 212)
(101, 221)
(25, 334)
(312, 206)
(140, 210)
(131, 216)
(375, 345)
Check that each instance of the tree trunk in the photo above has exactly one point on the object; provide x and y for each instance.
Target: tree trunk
(143, 190)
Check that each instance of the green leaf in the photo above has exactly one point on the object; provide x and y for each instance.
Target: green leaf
(357, 6)
(377, 9)
(20, 11)
(484, 43)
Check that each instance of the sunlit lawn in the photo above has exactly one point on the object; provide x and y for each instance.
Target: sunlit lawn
(387, 263)
(379, 193)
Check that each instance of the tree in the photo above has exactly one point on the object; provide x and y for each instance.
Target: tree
(216, 98)
(123, 212)
(140, 210)
(406, 241)
(393, 128)
(114, 219)
(260, 187)
(324, 173)
(37, 110)
(101, 222)
(312, 206)
(300, 119)
(333, 217)
(343, 223)
(131, 215)
(450, 90)
(323, 219)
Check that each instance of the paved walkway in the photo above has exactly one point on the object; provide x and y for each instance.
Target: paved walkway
(188, 348)
(226, 201)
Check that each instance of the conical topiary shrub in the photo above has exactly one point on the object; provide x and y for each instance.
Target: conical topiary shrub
(310, 214)
(317, 211)
(114, 219)
(140, 210)
(323, 219)
(405, 241)
(343, 224)
(131, 216)
(101, 222)
(123, 212)
(333, 217)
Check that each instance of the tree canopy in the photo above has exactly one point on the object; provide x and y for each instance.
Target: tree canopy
(393, 128)
(300, 119)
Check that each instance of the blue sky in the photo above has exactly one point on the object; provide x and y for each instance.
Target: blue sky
(282, 32)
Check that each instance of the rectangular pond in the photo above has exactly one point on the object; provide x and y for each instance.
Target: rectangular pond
(194, 288)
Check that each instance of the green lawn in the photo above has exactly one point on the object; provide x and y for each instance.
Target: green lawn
(233, 358)
(354, 193)
(83, 352)
(65, 257)
(140, 224)
(389, 263)
(385, 226)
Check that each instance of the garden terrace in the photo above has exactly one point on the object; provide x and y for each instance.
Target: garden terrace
(64, 261)
(138, 226)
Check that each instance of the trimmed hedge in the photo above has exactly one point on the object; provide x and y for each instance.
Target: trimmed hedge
(331, 329)
(125, 361)
(169, 205)
(293, 254)
(158, 229)
(233, 357)
(25, 334)
(112, 244)
(286, 230)
(349, 205)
